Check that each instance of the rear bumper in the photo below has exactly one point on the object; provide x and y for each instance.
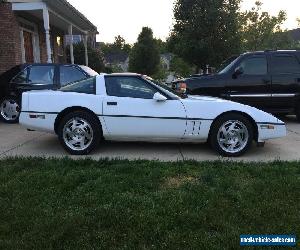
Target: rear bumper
(38, 121)
(268, 131)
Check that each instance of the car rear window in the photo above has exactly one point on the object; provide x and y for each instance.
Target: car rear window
(87, 86)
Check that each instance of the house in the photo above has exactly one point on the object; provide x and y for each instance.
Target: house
(37, 31)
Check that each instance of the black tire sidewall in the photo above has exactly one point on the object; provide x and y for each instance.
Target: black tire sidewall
(92, 120)
(17, 101)
(215, 129)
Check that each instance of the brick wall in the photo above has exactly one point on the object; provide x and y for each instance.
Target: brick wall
(10, 44)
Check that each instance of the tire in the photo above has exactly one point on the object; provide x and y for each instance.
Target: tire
(231, 135)
(79, 132)
(10, 109)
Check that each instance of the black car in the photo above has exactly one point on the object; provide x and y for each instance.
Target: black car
(27, 77)
(268, 80)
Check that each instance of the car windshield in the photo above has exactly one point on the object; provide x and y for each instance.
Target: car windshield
(227, 64)
(88, 70)
(163, 87)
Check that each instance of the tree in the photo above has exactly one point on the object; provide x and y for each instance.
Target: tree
(180, 67)
(144, 57)
(118, 46)
(261, 31)
(205, 32)
(95, 57)
(162, 46)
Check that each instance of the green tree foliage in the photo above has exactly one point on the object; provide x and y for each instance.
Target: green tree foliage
(94, 55)
(261, 31)
(118, 46)
(162, 46)
(145, 57)
(180, 67)
(205, 32)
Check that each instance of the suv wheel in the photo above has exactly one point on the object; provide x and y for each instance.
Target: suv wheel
(10, 109)
(231, 135)
(79, 132)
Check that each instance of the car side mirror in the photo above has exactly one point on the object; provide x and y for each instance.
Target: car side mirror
(237, 72)
(159, 97)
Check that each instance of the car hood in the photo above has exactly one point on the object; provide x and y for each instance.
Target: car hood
(205, 107)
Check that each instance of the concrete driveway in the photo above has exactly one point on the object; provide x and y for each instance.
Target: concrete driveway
(17, 141)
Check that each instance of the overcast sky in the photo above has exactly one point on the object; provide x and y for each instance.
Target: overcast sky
(127, 17)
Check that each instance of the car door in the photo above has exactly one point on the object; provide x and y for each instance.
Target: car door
(131, 112)
(70, 73)
(250, 82)
(285, 70)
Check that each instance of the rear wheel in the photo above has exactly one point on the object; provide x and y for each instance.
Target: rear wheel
(79, 132)
(232, 135)
(10, 109)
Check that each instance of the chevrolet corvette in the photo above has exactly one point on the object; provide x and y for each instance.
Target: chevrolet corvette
(133, 107)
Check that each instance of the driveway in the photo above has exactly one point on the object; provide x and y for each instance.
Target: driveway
(16, 141)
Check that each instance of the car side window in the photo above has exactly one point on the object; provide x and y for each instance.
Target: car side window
(285, 64)
(255, 65)
(70, 74)
(86, 86)
(21, 77)
(129, 87)
(41, 75)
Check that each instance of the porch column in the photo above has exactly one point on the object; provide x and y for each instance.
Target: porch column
(47, 33)
(71, 43)
(85, 40)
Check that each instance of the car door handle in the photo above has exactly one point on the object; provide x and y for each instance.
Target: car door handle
(112, 103)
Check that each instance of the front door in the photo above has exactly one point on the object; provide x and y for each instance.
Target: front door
(28, 46)
(130, 111)
(251, 84)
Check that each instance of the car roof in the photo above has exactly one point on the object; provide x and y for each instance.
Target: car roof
(271, 51)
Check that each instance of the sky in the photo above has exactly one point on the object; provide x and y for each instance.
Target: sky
(127, 17)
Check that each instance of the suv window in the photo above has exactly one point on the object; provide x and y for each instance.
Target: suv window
(126, 86)
(21, 77)
(70, 74)
(255, 65)
(86, 86)
(285, 64)
(41, 75)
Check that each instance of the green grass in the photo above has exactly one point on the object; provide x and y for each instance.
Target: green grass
(65, 204)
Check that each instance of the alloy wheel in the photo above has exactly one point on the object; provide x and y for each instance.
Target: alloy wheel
(233, 136)
(78, 134)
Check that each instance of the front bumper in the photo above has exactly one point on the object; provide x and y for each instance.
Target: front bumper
(268, 131)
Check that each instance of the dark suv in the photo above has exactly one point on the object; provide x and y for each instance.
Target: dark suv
(27, 77)
(268, 80)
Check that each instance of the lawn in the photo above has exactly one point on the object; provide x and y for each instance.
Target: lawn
(85, 204)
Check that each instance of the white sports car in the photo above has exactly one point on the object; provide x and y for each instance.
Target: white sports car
(133, 107)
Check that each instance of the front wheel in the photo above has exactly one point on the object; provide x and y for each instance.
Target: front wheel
(231, 135)
(79, 132)
(10, 109)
